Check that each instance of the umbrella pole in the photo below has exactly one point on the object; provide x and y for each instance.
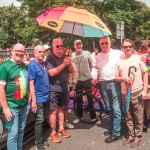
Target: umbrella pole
(71, 35)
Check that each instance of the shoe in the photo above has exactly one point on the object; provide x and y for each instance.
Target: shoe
(64, 133)
(92, 120)
(55, 138)
(98, 122)
(112, 138)
(108, 132)
(128, 141)
(76, 121)
(135, 143)
(68, 125)
(40, 147)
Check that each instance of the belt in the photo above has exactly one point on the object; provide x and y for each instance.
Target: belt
(109, 81)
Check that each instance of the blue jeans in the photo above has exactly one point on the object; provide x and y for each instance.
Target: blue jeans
(16, 131)
(39, 122)
(111, 91)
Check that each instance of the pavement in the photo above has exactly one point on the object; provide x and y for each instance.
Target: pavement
(90, 137)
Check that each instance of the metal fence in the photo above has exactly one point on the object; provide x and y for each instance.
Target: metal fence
(5, 54)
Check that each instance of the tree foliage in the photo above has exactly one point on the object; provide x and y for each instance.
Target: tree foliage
(20, 24)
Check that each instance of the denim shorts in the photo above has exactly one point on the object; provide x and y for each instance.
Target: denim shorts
(58, 99)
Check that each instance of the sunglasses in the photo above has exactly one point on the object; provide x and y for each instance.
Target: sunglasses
(125, 47)
(59, 46)
(104, 43)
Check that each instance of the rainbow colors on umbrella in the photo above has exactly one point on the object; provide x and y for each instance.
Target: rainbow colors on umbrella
(73, 21)
(128, 90)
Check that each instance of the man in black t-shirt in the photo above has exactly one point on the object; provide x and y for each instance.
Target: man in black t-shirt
(58, 67)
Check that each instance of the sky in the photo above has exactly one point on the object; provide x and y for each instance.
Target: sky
(9, 2)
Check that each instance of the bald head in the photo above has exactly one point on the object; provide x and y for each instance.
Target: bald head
(39, 53)
(18, 52)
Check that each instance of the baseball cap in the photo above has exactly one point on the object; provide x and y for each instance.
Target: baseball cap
(77, 41)
(46, 46)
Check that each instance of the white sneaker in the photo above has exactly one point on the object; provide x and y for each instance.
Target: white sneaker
(68, 125)
(76, 121)
(92, 120)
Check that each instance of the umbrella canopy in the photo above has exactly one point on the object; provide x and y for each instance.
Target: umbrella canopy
(73, 21)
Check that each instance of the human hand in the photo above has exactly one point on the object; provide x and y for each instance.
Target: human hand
(128, 80)
(71, 94)
(95, 81)
(33, 107)
(67, 61)
(8, 113)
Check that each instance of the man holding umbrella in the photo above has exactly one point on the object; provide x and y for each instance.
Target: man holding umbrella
(58, 67)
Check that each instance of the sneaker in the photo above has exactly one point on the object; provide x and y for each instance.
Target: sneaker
(77, 120)
(68, 125)
(55, 138)
(64, 133)
(40, 147)
(92, 120)
(112, 138)
(98, 122)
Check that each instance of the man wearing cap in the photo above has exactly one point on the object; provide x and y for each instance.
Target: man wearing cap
(83, 61)
(47, 50)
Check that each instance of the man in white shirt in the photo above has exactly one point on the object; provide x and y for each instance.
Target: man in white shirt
(111, 90)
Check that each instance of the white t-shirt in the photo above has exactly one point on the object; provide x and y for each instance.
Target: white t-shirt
(106, 63)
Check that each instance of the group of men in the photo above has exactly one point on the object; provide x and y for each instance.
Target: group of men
(48, 88)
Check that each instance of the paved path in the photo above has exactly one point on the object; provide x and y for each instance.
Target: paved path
(90, 137)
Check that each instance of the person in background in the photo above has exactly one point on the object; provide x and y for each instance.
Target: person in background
(130, 69)
(94, 72)
(111, 89)
(14, 96)
(39, 91)
(59, 68)
(73, 77)
(47, 50)
(83, 61)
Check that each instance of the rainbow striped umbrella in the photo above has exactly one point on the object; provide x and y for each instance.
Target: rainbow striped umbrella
(128, 89)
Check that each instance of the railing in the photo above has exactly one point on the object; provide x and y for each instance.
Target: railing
(4, 54)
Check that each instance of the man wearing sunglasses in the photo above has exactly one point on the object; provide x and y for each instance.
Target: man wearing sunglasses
(111, 90)
(58, 67)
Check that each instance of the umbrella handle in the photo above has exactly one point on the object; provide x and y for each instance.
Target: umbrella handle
(71, 35)
(130, 70)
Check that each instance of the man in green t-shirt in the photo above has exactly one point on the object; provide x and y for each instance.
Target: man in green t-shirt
(14, 96)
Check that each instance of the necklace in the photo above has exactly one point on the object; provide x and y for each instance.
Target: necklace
(79, 62)
(43, 68)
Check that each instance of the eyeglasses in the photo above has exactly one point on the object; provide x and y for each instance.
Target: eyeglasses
(104, 43)
(19, 51)
(59, 46)
(125, 47)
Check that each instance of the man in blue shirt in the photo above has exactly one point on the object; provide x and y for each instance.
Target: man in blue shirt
(39, 90)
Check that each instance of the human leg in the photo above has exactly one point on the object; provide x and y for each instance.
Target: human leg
(116, 104)
(13, 131)
(38, 128)
(23, 114)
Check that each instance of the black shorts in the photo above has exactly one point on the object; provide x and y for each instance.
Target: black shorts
(58, 99)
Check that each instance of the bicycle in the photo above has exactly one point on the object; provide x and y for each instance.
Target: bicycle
(99, 106)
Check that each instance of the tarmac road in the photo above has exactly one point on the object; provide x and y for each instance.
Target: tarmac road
(90, 137)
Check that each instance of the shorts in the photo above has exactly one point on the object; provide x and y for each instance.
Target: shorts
(58, 99)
